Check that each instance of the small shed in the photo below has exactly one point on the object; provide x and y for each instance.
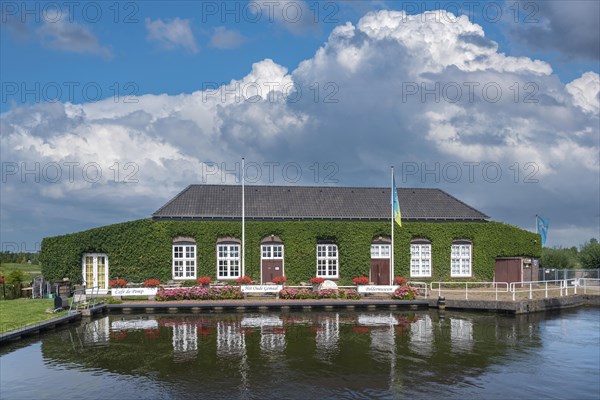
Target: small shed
(516, 269)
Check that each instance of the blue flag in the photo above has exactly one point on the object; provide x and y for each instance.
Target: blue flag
(542, 228)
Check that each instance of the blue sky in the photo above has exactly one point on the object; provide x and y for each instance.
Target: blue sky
(138, 88)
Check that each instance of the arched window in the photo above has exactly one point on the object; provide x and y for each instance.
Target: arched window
(327, 260)
(420, 258)
(460, 264)
(184, 258)
(228, 258)
(381, 247)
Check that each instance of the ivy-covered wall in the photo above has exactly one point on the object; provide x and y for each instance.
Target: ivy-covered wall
(142, 249)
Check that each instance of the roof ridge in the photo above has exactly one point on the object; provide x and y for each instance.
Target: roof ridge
(463, 203)
(173, 199)
(309, 186)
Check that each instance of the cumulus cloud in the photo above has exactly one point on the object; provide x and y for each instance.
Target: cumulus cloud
(57, 31)
(432, 96)
(569, 27)
(171, 34)
(224, 38)
(586, 92)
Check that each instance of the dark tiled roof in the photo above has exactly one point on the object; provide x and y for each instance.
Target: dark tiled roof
(313, 202)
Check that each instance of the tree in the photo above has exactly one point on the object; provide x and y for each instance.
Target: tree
(557, 258)
(589, 255)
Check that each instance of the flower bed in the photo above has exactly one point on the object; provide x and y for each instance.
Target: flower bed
(200, 293)
(306, 293)
(405, 293)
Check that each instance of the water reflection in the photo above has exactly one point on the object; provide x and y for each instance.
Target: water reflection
(321, 355)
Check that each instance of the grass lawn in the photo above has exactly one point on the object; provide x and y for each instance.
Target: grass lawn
(30, 270)
(19, 313)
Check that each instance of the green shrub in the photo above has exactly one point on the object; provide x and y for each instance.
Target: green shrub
(140, 249)
(15, 277)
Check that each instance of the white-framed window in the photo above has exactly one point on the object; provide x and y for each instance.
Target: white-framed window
(228, 261)
(327, 261)
(95, 271)
(380, 251)
(460, 263)
(272, 251)
(184, 260)
(420, 258)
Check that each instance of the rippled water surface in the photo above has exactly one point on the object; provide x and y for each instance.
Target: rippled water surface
(356, 355)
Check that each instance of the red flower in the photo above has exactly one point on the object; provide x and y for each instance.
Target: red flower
(1, 280)
(117, 283)
(317, 280)
(400, 281)
(279, 279)
(204, 280)
(152, 283)
(360, 280)
(244, 279)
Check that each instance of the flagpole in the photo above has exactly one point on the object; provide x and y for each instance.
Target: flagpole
(243, 219)
(392, 210)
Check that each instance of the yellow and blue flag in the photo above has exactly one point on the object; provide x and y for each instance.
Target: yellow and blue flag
(396, 204)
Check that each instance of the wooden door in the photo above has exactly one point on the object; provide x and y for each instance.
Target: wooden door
(271, 269)
(380, 271)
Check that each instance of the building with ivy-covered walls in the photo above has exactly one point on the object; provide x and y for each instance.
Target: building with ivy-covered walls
(300, 232)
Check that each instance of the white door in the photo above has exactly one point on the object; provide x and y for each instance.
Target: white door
(95, 272)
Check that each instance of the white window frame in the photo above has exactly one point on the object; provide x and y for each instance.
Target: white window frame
(380, 250)
(229, 260)
(187, 259)
(461, 263)
(268, 251)
(328, 260)
(95, 283)
(420, 259)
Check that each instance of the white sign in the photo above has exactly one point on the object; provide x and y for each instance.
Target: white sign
(134, 291)
(377, 289)
(261, 288)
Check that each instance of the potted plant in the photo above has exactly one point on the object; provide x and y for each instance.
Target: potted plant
(360, 280)
(117, 283)
(204, 280)
(400, 281)
(244, 280)
(152, 283)
(316, 283)
(280, 280)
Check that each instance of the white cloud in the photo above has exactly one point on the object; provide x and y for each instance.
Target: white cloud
(60, 34)
(172, 34)
(224, 38)
(586, 92)
(377, 93)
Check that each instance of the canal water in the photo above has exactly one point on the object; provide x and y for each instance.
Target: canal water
(317, 355)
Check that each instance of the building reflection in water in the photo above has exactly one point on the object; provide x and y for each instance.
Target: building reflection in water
(461, 334)
(421, 336)
(327, 336)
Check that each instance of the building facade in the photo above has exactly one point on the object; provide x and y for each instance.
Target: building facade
(300, 232)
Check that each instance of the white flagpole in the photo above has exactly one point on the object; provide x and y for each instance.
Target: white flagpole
(243, 219)
(392, 207)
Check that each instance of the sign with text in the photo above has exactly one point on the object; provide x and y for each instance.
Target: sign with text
(134, 291)
(261, 288)
(377, 288)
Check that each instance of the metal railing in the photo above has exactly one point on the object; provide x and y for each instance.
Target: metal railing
(84, 300)
(482, 287)
(562, 285)
(422, 286)
(589, 283)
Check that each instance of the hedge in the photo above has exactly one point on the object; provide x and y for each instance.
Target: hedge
(142, 249)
